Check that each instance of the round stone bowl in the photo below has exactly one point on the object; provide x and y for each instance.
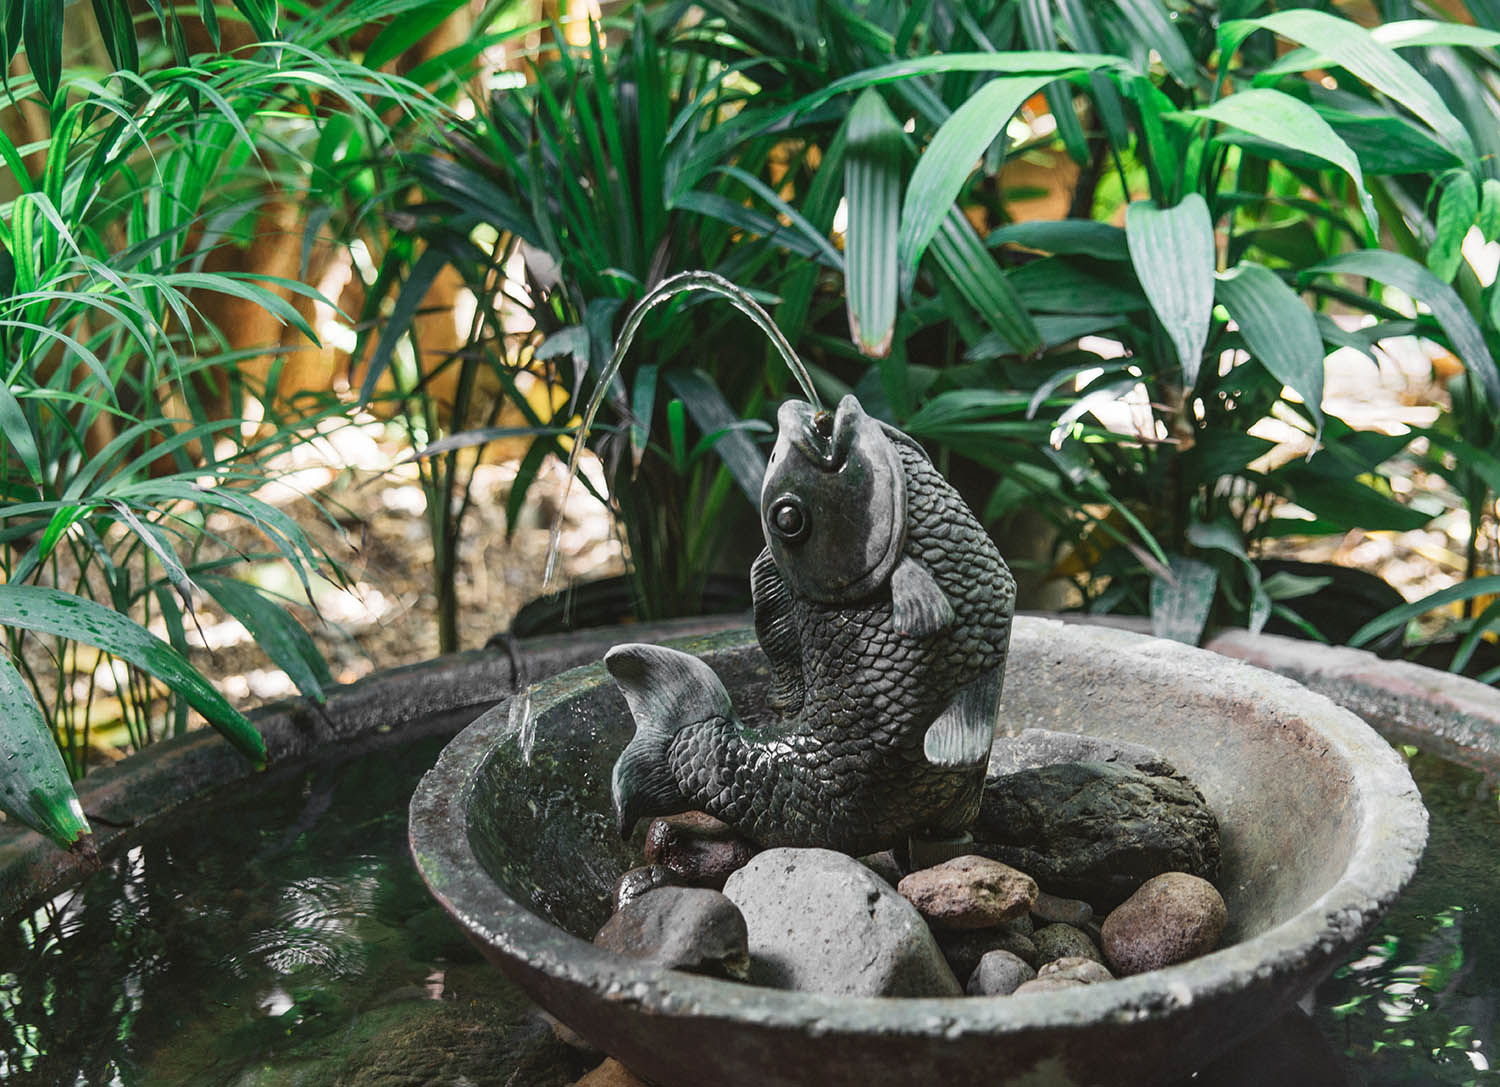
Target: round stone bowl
(1321, 827)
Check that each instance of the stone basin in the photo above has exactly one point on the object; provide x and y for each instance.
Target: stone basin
(1321, 827)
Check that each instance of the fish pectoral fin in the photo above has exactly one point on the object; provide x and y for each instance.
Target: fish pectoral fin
(963, 733)
(919, 607)
(666, 691)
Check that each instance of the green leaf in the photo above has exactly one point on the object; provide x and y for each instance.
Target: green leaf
(952, 156)
(118, 31)
(34, 785)
(1350, 46)
(210, 16)
(1399, 617)
(1464, 336)
(1279, 329)
(261, 15)
(1387, 144)
(280, 636)
(398, 324)
(1406, 33)
(974, 272)
(1154, 26)
(74, 618)
(1079, 237)
(872, 186)
(1290, 122)
(1172, 251)
(10, 39)
(408, 29)
(1458, 207)
(1060, 285)
(1181, 602)
(18, 434)
(43, 37)
(1489, 209)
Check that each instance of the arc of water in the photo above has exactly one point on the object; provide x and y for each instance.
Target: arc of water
(666, 289)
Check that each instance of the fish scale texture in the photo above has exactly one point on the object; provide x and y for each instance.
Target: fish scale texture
(845, 769)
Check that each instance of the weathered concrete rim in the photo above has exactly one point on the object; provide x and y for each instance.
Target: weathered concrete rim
(1389, 841)
(1449, 714)
(442, 694)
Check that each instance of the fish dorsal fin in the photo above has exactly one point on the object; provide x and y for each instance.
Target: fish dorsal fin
(963, 733)
(776, 630)
(919, 607)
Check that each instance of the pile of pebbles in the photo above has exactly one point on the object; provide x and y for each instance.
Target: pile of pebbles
(1089, 861)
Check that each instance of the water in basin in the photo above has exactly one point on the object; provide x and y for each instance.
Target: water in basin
(278, 933)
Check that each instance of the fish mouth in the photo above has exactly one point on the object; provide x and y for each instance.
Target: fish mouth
(823, 437)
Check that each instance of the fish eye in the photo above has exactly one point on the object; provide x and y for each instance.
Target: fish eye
(787, 518)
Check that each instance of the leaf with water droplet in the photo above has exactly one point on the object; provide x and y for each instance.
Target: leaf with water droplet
(36, 790)
(64, 615)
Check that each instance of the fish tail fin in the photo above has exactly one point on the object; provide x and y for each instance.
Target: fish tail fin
(667, 691)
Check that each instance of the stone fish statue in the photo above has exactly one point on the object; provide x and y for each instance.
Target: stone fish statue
(885, 611)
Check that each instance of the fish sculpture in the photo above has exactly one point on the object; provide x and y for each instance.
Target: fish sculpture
(885, 611)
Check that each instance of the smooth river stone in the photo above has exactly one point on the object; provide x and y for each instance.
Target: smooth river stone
(1172, 918)
(699, 850)
(969, 892)
(681, 928)
(999, 973)
(821, 922)
(1064, 942)
(1076, 968)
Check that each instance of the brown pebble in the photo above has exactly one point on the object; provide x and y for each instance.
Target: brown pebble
(969, 892)
(611, 1074)
(1172, 918)
(698, 849)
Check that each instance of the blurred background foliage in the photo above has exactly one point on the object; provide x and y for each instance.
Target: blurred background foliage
(1095, 256)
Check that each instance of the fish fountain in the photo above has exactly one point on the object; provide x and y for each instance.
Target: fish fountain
(859, 714)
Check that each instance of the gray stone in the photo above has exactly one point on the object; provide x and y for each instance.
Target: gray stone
(1172, 918)
(821, 922)
(964, 948)
(1047, 985)
(969, 892)
(1052, 910)
(885, 865)
(1064, 942)
(682, 928)
(699, 850)
(999, 973)
(1036, 747)
(638, 881)
(1096, 831)
(1076, 968)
